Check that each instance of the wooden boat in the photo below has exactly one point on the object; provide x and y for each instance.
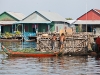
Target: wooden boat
(34, 54)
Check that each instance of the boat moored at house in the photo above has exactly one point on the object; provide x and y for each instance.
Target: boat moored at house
(12, 53)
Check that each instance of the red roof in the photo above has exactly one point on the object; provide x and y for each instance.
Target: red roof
(93, 14)
(97, 10)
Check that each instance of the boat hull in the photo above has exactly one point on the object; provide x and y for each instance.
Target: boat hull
(31, 54)
(11, 53)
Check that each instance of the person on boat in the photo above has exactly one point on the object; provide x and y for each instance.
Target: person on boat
(94, 31)
(6, 50)
(62, 39)
(53, 40)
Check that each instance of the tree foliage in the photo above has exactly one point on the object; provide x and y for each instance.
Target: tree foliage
(68, 18)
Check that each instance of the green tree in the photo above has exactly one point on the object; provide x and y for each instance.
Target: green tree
(68, 18)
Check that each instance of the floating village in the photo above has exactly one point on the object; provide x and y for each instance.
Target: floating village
(81, 35)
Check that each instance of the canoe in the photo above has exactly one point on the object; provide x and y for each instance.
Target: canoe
(24, 54)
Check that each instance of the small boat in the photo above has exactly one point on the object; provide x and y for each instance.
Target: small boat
(24, 54)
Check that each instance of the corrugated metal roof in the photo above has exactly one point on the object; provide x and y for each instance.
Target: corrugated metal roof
(7, 22)
(17, 15)
(87, 22)
(97, 10)
(52, 16)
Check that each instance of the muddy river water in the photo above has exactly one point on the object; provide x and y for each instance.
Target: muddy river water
(65, 65)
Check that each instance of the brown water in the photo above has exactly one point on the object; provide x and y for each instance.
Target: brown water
(18, 45)
(66, 65)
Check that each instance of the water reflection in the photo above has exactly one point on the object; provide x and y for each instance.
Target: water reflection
(46, 66)
(66, 65)
(17, 45)
(93, 66)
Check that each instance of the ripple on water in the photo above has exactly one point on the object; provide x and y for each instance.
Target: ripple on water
(50, 66)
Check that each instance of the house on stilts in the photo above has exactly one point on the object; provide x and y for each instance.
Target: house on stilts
(88, 22)
(40, 21)
(7, 19)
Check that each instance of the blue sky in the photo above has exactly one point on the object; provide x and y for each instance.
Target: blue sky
(66, 8)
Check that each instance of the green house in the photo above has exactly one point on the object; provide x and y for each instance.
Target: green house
(7, 19)
(41, 21)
